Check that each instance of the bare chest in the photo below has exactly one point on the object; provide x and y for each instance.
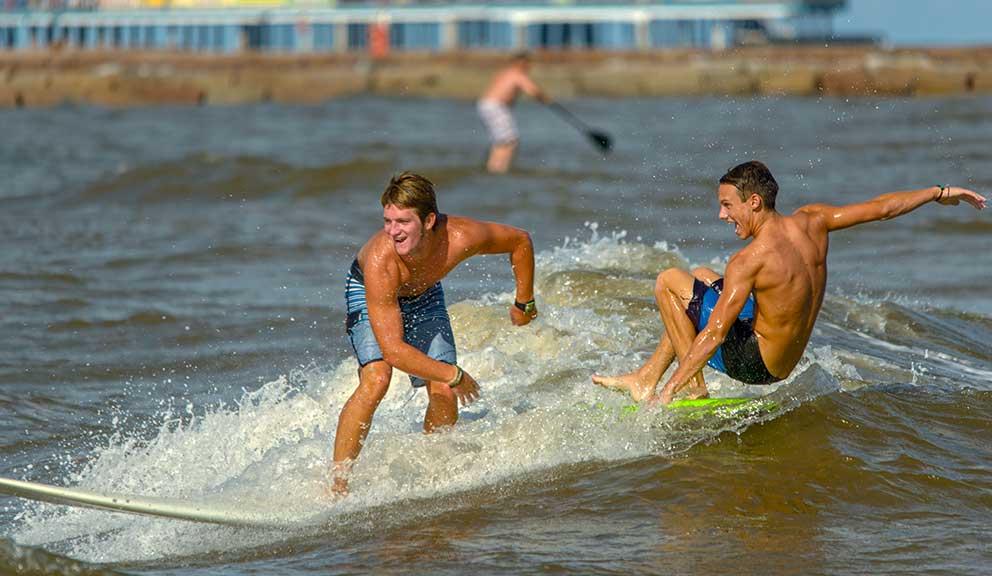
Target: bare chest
(415, 280)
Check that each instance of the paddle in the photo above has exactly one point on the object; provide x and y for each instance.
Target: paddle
(599, 139)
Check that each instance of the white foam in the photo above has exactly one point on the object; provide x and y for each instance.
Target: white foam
(274, 445)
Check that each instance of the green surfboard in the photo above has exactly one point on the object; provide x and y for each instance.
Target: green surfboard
(726, 405)
(702, 407)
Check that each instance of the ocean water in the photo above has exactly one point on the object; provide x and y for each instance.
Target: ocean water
(172, 324)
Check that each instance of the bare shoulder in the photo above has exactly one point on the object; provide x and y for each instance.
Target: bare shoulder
(811, 217)
(516, 74)
(470, 227)
(378, 259)
(464, 234)
(747, 260)
(469, 236)
(809, 213)
(375, 246)
(462, 227)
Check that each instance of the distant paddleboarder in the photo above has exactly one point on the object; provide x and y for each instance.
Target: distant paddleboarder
(494, 109)
(396, 311)
(754, 323)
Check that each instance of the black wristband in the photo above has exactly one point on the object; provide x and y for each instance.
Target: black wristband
(458, 377)
(525, 307)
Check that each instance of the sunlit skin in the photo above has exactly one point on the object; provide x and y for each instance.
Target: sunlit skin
(404, 228)
(408, 257)
(507, 84)
(784, 266)
(504, 88)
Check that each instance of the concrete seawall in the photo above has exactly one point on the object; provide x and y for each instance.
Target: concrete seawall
(137, 79)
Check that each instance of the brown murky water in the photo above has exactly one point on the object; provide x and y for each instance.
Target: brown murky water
(171, 288)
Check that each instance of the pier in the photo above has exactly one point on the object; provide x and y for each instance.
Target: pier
(379, 28)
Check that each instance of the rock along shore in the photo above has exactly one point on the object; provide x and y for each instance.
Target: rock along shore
(151, 78)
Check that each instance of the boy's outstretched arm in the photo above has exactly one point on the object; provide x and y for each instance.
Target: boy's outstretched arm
(891, 205)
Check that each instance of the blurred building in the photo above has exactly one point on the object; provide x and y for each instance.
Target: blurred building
(288, 26)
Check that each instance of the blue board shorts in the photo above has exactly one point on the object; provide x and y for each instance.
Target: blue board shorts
(739, 356)
(426, 325)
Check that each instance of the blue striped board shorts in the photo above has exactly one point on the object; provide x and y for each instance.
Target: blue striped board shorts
(426, 325)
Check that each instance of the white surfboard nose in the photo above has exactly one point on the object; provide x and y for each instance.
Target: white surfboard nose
(214, 513)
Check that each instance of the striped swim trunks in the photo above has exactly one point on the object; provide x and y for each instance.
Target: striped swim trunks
(426, 325)
(498, 120)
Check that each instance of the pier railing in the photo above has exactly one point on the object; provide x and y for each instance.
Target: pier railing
(295, 26)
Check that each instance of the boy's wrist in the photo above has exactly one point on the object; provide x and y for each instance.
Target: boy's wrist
(458, 377)
(526, 307)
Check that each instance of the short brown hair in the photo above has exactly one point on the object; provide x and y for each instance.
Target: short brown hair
(753, 178)
(409, 190)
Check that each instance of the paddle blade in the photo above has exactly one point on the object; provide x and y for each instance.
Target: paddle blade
(601, 140)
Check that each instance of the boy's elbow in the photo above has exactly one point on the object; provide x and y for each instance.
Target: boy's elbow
(526, 240)
(523, 243)
(392, 356)
(887, 213)
(890, 210)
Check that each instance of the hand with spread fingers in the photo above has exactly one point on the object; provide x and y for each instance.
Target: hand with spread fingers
(466, 389)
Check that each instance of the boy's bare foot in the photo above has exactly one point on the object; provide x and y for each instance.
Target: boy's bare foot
(689, 392)
(631, 383)
(695, 392)
(338, 488)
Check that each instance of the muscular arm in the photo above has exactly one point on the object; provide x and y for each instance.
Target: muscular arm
(737, 286)
(888, 206)
(472, 237)
(387, 325)
(490, 238)
(530, 88)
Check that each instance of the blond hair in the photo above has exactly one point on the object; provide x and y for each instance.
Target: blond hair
(410, 190)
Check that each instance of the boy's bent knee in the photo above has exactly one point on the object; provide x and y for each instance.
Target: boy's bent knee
(670, 278)
(674, 282)
(706, 275)
(374, 381)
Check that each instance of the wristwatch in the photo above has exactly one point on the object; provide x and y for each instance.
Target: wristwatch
(525, 307)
